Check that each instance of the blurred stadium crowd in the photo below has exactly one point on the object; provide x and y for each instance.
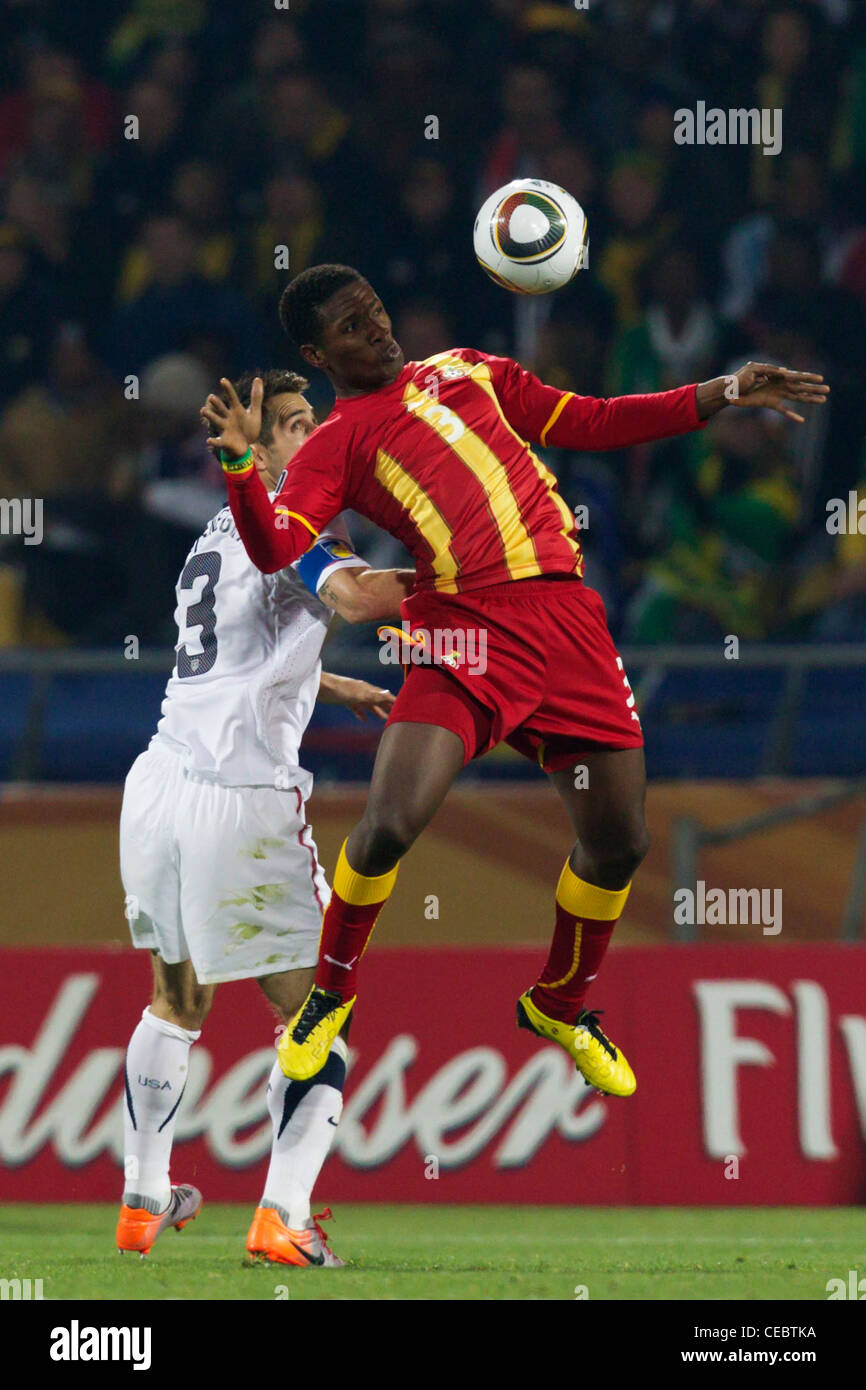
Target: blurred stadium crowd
(145, 248)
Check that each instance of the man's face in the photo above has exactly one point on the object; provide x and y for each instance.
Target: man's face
(293, 421)
(355, 345)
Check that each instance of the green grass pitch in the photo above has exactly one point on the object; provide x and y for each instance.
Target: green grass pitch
(453, 1252)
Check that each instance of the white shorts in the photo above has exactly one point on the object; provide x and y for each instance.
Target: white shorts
(227, 877)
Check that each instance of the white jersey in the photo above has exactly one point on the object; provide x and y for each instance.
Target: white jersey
(248, 657)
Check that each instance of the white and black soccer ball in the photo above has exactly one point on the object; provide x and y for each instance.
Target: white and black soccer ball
(531, 237)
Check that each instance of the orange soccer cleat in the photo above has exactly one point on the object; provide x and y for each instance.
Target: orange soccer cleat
(272, 1239)
(137, 1228)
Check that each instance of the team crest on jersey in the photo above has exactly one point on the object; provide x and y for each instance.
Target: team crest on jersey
(451, 373)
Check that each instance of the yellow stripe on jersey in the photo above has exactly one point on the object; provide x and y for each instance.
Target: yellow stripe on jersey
(296, 516)
(518, 547)
(562, 507)
(481, 375)
(426, 516)
(555, 414)
(447, 359)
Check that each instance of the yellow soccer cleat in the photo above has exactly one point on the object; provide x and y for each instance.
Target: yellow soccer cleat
(303, 1049)
(598, 1061)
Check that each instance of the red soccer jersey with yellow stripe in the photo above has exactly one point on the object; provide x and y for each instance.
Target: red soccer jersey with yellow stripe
(440, 459)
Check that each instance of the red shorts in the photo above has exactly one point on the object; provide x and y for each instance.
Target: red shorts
(530, 663)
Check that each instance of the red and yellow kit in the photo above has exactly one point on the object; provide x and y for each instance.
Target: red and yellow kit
(441, 459)
(538, 664)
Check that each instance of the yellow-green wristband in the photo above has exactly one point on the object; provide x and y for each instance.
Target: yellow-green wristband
(235, 466)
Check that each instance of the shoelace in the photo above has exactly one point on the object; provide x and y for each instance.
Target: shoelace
(316, 1217)
(589, 1020)
(317, 1006)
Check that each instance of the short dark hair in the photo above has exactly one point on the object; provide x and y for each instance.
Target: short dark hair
(300, 300)
(277, 382)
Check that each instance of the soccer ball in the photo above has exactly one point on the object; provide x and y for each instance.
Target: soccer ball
(530, 236)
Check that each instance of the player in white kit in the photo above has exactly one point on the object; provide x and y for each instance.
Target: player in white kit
(219, 867)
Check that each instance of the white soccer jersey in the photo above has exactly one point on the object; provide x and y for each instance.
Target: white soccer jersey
(248, 657)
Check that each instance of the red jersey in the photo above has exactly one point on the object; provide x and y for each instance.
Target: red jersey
(440, 459)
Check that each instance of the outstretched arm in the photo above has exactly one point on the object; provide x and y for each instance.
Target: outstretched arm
(564, 420)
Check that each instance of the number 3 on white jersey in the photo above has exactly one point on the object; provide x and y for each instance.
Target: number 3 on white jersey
(196, 614)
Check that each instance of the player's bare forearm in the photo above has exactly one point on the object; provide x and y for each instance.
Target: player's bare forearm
(761, 385)
(369, 596)
(387, 586)
(366, 596)
(710, 397)
(272, 537)
(383, 591)
(360, 697)
(329, 687)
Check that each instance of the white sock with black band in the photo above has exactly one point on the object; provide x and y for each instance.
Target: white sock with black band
(155, 1074)
(305, 1116)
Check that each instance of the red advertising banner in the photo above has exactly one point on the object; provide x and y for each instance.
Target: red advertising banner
(751, 1067)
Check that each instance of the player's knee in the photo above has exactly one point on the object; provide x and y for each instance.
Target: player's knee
(384, 837)
(638, 845)
(617, 855)
(626, 854)
(186, 1008)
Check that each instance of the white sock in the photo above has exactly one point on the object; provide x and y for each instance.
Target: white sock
(156, 1071)
(305, 1116)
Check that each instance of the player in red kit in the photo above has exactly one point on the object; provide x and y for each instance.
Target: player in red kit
(515, 647)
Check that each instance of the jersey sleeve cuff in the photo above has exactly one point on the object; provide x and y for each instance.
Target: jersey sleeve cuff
(237, 468)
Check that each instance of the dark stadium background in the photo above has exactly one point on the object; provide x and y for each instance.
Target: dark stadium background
(306, 128)
(134, 272)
